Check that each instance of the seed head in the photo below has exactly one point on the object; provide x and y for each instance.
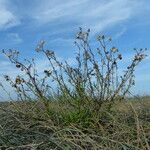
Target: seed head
(47, 72)
(114, 49)
(114, 62)
(18, 65)
(6, 77)
(18, 80)
(120, 56)
(49, 53)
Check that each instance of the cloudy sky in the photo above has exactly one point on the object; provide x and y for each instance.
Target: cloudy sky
(24, 22)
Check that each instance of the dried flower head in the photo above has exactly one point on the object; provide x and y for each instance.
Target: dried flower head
(120, 56)
(47, 72)
(18, 65)
(81, 35)
(103, 37)
(114, 49)
(114, 63)
(87, 55)
(49, 53)
(6, 77)
(40, 46)
(99, 37)
(110, 39)
(139, 57)
(18, 80)
(95, 66)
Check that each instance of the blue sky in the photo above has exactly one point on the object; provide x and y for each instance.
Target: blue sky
(24, 22)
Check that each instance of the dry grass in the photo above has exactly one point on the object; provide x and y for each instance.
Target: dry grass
(26, 125)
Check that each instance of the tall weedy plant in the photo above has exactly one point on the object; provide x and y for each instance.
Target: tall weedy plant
(94, 78)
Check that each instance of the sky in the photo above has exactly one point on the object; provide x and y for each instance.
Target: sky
(23, 23)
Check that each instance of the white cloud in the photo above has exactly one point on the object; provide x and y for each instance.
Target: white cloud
(7, 18)
(120, 33)
(48, 11)
(97, 15)
(13, 38)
